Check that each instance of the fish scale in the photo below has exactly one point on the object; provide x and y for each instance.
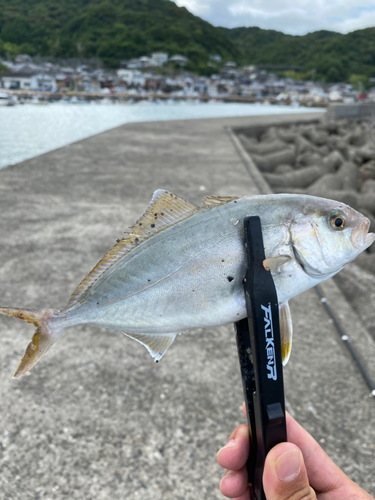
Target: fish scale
(181, 267)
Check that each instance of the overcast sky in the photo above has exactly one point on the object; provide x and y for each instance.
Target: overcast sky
(290, 16)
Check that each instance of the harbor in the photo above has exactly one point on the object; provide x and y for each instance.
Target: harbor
(29, 130)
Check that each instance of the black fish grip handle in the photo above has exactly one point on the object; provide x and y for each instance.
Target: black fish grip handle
(259, 351)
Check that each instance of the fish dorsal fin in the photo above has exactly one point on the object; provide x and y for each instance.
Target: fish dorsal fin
(156, 344)
(214, 201)
(286, 331)
(164, 210)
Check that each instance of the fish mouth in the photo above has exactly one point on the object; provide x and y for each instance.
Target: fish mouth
(361, 238)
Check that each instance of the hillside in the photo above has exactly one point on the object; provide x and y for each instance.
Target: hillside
(334, 56)
(113, 30)
(109, 30)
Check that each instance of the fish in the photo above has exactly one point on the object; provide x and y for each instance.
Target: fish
(181, 266)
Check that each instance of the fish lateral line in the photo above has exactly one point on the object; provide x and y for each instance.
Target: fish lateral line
(318, 252)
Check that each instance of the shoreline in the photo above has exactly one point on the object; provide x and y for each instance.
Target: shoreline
(125, 96)
(25, 135)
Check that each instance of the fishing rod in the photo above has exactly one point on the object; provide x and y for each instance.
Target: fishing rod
(346, 339)
(259, 352)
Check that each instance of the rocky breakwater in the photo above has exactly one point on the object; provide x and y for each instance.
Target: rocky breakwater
(331, 159)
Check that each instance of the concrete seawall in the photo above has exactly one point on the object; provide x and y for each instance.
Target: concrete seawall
(354, 110)
(97, 418)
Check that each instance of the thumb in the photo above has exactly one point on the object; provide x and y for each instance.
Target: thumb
(285, 476)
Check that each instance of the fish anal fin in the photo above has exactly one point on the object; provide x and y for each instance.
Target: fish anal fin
(274, 263)
(286, 331)
(214, 201)
(39, 345)
(164, 210)
(156, 344)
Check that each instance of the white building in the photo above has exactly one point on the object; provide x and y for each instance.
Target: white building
(159, 58)
(181, 60)
(145, 62)
(132, 77)
(28, 81)
(134, 64)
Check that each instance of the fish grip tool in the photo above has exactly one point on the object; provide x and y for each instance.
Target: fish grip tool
(259, 351)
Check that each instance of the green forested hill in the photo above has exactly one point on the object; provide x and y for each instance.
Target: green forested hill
(112, 30)
(334, 56)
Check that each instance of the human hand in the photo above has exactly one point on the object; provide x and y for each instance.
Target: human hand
(296, 470)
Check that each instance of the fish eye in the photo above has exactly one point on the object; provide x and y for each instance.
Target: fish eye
(337, 220)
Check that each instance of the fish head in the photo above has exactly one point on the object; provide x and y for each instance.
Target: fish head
(326, 235)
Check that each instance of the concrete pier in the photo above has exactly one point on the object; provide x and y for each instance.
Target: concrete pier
(97, 418)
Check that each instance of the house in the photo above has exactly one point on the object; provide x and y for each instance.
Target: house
(171, 85)
(153, 83)
(132, 77)
(181, 60)
(23, 59)
(64, 81)
(86, 82)
(145, 62)
(134, 64)
(201, 86)
(19, 80)
(159, 58)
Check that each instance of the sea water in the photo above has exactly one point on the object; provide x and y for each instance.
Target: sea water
(29, 130)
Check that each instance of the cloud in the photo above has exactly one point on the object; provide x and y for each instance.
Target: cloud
(195, 6)
(286, 15)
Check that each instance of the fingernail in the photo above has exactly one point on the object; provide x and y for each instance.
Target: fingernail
(228, 445)
(288, 465)
(228, 473)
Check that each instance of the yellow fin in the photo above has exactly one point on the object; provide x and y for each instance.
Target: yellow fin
(286, 331)
(164, 210)
(156, 344)
(214, 201)
(274, 263)
(44, 337)
(39, 345)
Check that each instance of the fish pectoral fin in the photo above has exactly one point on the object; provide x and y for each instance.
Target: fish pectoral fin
(286, 331)
(274, 263)
(156, 344)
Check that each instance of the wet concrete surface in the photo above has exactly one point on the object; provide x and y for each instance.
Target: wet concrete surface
(97, 418)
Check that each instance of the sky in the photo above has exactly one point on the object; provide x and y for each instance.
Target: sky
(289, 16)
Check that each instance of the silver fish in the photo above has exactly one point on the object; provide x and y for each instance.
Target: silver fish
(181, 266)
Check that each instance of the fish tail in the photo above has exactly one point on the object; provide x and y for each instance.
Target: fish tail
(44, 337)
